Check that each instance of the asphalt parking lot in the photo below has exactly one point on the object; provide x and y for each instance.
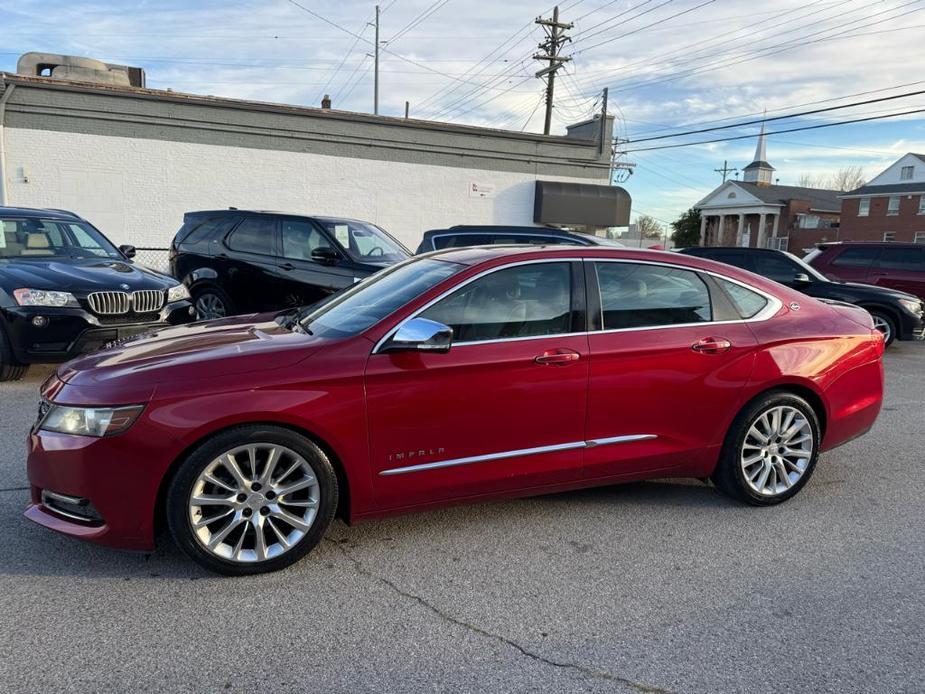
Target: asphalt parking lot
(651, 587)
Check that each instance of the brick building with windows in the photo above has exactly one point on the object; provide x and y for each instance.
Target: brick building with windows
(891, 207)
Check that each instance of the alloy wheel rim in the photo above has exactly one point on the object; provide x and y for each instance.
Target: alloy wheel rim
(883, 325)
(210, 306)
(254, 502)
(777, 450)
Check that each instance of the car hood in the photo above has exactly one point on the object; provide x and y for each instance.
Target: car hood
(194, 351)
(81, 275)
(853, 291)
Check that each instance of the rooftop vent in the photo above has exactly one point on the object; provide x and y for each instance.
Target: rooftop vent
(77, 69)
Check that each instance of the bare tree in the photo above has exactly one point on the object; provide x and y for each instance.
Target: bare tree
(648, 227)
(846, 178)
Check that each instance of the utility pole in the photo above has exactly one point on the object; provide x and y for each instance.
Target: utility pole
(376, 68)
(604, 136)
(725, 170)
(554, 42)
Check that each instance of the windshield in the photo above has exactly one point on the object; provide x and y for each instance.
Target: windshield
(364, 242)
(371, 300)
(42, 238)
(808, 269)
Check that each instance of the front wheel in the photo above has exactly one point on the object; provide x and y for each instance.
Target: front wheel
(212, 303)
(252, 499)
(886, 325)
(10, 369)
(771, 450)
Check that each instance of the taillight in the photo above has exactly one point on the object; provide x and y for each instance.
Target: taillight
(880, 339)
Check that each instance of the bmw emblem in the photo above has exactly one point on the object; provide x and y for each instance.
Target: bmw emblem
(125, 287)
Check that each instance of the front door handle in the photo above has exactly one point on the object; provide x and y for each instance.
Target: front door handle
(287, 267)
(712, 345)
(557, 357)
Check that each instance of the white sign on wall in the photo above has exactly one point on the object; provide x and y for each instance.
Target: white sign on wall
(481, 190)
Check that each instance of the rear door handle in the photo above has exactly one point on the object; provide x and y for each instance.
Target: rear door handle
(712, 345)
(557, 357)
(287, 267)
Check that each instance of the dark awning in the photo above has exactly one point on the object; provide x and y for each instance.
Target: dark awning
(581, 203)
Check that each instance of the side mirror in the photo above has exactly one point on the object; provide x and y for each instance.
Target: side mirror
(128, 251)
(421, 335)
(325, 255)
(802, 278)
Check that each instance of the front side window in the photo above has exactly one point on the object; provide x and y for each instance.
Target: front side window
(364, 242)
(729, 256)
(893, 205)
(521, 301)
(776, 267)
(640, 296)
(31, 237)
(863, 207)
(300, 239)
(254, 235)
(747, 302)
(856, 257)
(365, 304)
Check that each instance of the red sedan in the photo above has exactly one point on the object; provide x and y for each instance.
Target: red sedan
(455, 376)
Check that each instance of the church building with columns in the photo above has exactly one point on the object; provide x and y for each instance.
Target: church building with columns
(756, 211)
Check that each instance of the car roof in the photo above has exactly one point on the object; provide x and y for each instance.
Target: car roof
(273, 213)
(36, 212)
(497, 228)
(885, 244)
(693, 250)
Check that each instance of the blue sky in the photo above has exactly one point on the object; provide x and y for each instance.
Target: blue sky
(667, 63)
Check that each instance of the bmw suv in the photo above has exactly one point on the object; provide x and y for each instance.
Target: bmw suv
(66, 289)
(239, 261)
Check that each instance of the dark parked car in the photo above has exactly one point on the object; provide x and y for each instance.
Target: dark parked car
(239, 261)
(896, 314)
(896, 265)
(460, 236)
(65, 289)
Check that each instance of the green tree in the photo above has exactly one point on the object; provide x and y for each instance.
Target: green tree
(686, 229)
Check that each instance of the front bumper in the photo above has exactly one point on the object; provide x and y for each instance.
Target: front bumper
(68, 332)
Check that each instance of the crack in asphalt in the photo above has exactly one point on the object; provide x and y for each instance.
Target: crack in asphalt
(591, 672)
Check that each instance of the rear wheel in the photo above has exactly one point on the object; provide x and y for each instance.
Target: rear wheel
(771, 450)
(212, 303)
(252, 499)
(10, 368)
(885, 324)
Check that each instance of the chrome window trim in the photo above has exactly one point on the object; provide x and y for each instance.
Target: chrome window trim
(774, 304)
(546, 235)
(555, 448)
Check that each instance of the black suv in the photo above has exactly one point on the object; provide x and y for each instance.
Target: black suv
(896, 314)
(462, 235)
(65, 289)
(239, 261)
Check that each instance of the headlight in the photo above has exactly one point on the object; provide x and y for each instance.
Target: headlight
(90, 421)
(177, 293)
(41, 297)
(913, 305)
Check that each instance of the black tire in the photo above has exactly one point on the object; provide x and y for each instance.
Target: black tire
(212, 296)
(729, 475)
(10, 369)
(181, 488)
(889, 321)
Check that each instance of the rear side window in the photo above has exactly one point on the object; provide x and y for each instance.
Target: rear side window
(198, 230)
(254, 235)
(856, 257)
(909, 259)
(730, 257)
(639, 296)
(776, 267)
(747, 303)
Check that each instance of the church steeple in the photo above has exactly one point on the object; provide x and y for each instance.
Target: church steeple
(759, 171)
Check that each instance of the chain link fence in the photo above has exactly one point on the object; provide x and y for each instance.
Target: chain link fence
(154, 258)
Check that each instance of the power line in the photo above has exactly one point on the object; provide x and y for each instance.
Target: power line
(423, 16)
(777, 132)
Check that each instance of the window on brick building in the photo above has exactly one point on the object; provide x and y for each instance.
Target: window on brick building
(893, 206)
(919, 237)
(922, 204)
(863, 207)
(906, 173)
(889, 235)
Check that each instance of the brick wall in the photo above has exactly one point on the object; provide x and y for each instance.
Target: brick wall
(872, 227)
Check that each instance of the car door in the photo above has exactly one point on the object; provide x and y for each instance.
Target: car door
(901, 268)
(503, 409)
(246, 265)
(302, 279)
(670, 355)
(852, 263)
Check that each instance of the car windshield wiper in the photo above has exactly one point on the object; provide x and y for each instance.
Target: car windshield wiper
(293, 321)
